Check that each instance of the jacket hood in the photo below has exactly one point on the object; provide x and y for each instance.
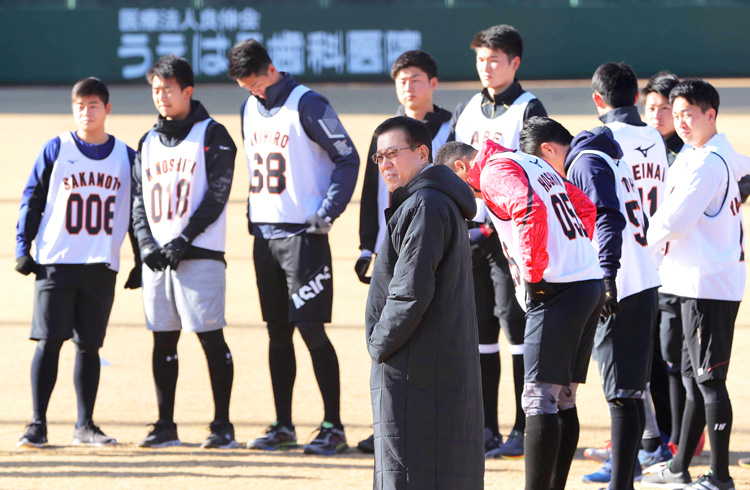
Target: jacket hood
(179, 127)
(443, 179)
(599, 139)
(488, 149)
(738, 163)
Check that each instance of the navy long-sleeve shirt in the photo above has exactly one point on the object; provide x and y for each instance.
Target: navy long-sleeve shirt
(34, 198)
(312, 108)
(595, 177)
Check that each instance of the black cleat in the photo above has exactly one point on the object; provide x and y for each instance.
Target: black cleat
(91, 435)
(35, 435)
(164, 434)
(221, 437)
(367, 445)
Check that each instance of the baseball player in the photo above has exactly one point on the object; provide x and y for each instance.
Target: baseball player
(624, 337)
(658, 112)
(546, 225)
(699, 229)
(181, 181)
(303, 169)
(498, 113)
(76, 209)
(416, 76)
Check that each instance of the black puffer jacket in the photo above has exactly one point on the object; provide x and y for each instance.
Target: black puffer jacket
(422, 337)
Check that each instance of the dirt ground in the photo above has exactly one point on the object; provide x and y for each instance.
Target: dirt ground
(126, 401)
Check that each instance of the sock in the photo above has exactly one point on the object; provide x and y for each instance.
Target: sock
(719, 422)
(626, 438)
(326, 367)
(693, 421)
(86, 380)
(165, 367)
(44, 375)
(490, 366)
(677, 404)
(651, 445)
(220, 370)
(518, 372)
(569, 431)
(541, 444)
(283, 365)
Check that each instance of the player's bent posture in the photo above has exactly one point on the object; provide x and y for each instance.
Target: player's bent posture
(699, 228)
(498, 113)
(181, 180)
(416, 76)
(545, 223)
(303, 169)
(421, 323)
(76, 209)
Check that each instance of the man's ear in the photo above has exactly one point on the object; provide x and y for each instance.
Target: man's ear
(424, 152)
(459, 166)
(598, 100)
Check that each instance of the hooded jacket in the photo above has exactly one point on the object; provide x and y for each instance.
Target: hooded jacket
(595, 178)
(422, 338)
(220, 153)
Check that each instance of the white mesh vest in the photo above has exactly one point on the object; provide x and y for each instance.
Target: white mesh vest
(87, 212)
(289, 172)
(637, 268)
(708, 262)
(174, 183)
(644, 150)
(474, 128)
(571, 256)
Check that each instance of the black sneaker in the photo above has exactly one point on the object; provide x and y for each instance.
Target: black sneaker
(35, 435)
(91, 435)
(492, 443)
(367, 445)
(221, 437)
(710, 482)
(328, 442)
(275, 437)
(164, 434)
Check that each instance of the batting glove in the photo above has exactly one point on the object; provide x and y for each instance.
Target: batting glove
(25, 264)
(154, 258)
(175, 250)
(318, 225)
(362, 265)
(611, 306)
(479, 235)
(538, 291)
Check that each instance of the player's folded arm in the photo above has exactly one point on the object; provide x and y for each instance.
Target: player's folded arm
(412, 287)
(684, 205)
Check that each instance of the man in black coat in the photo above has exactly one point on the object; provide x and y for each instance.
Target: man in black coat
(421, 323)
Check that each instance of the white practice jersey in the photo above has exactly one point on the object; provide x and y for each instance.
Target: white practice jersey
(644, 150)
(473, 127)
(87, 213)
(289, 172)
(174, 184)
(700, 224)
(384, 196)
(637, 267)
(571, 255)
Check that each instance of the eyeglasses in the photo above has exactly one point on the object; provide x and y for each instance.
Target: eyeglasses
(389, 154)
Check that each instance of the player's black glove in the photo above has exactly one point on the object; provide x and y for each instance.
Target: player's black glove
(154, 258)
(134, 278)
(175, 250)
(363, 263)
(611, 306)
(25, 264)
(537, 291)
(318, 225)
(479, 235)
